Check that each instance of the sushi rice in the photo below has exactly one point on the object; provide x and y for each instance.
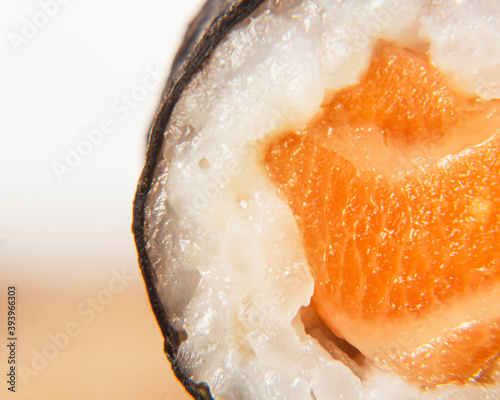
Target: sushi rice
(229, 265)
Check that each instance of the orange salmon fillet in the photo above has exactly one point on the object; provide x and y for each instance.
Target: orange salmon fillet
(396, 191)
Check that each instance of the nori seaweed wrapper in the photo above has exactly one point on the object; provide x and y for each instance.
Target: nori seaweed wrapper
(212, 24)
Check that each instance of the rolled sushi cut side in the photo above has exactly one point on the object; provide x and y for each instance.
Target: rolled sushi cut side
(220, 247)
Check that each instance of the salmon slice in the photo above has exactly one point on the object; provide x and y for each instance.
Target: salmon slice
(396, 191)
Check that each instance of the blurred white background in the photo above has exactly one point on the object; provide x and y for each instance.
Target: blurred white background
(80, 84)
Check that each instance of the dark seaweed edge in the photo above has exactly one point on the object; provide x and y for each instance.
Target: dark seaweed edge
(196, 29)
(218, 30)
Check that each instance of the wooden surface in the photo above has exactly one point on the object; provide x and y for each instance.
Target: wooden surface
(87, 344)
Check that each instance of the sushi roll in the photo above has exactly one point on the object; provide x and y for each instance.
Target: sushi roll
(318, 215)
